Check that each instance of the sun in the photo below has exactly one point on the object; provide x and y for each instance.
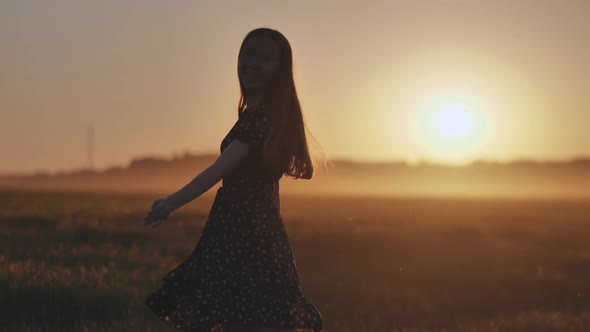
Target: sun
(450, 130)
(444, 116)
(453, 122)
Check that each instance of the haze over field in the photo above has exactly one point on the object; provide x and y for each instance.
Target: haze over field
(517, 179)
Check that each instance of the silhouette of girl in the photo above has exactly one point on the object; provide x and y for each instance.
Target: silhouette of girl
(242, 274)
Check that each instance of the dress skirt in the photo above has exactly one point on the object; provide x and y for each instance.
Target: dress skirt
(242, 271)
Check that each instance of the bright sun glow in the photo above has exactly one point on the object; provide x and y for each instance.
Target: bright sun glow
(453, 122)
(450, 124)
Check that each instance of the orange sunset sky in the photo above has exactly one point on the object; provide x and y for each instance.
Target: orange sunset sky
(445, 81)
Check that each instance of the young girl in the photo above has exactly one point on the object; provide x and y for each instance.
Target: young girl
(242, 275)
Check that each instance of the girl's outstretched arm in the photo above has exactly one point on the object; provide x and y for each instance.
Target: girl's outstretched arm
(231, 157)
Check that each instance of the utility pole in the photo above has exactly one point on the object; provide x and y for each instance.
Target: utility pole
(90, 146)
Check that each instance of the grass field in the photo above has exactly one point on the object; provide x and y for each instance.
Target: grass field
(84, 262)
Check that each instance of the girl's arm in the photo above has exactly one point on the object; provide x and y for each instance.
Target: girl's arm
(231, 157)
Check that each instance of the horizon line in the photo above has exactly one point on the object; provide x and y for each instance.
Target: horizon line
(336, 159)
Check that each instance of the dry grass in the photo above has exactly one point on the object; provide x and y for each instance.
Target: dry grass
(83, 262)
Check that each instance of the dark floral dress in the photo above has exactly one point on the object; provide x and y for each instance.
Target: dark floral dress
(242, 270)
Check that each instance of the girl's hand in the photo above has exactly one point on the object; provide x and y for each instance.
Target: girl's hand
(161, 209)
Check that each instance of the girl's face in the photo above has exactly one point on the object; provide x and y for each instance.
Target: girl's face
(258, 62)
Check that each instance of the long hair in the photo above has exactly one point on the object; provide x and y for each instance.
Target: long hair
(286, 144)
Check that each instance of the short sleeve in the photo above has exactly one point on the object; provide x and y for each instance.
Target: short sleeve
(253, 126)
